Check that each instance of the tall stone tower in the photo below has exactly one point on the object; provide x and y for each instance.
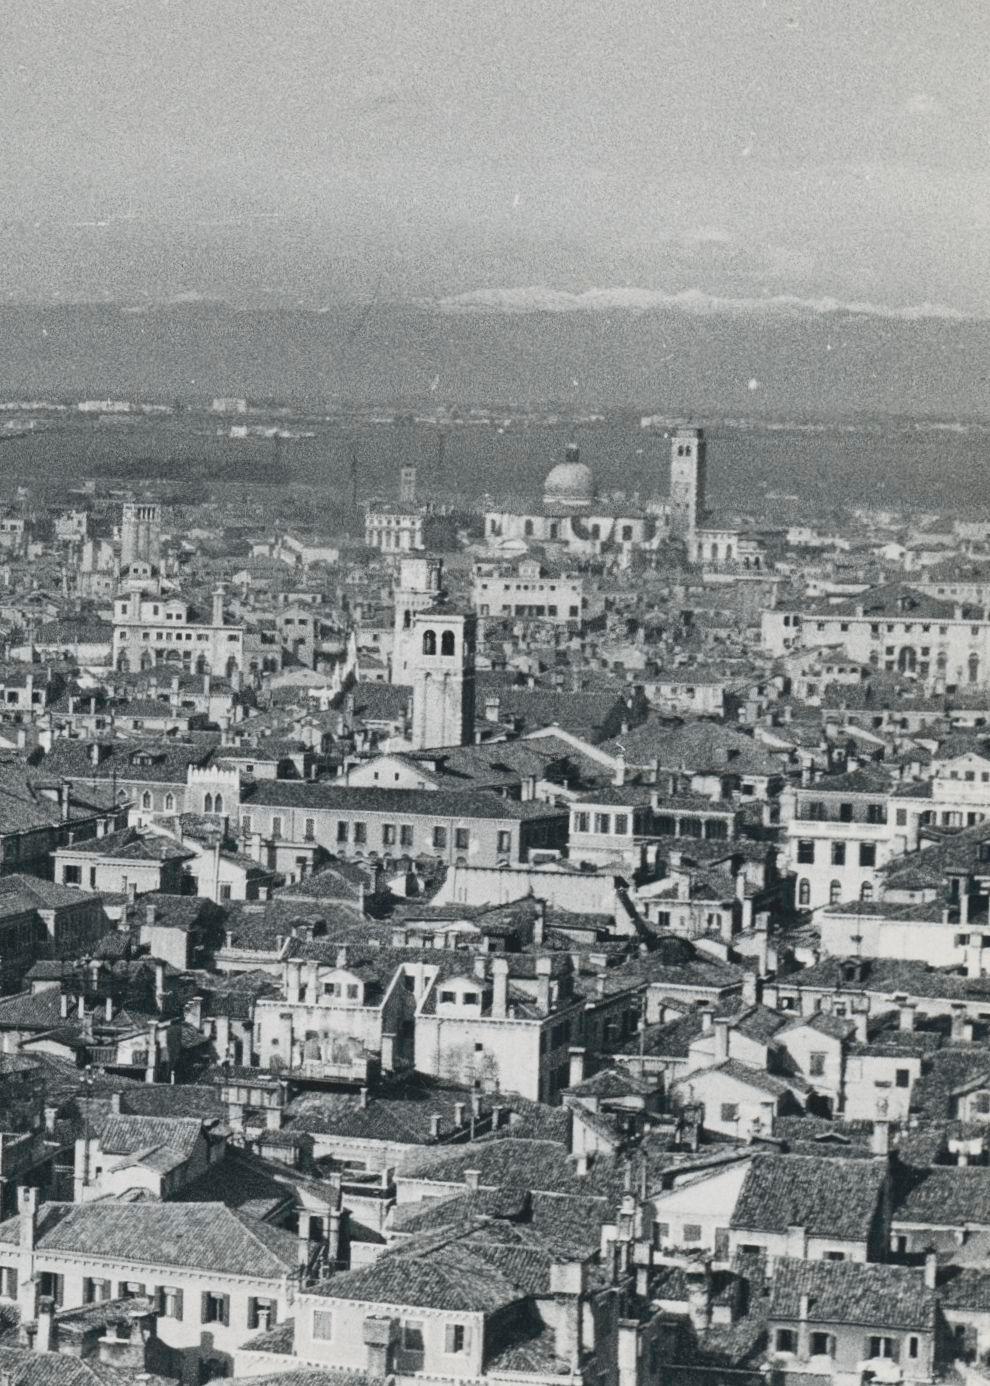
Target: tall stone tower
(687, 481)
(141, 533)
(443, 678)
(418, 587)
(407, 484)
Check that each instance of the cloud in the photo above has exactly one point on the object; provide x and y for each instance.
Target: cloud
(923, 104)
(539, 299)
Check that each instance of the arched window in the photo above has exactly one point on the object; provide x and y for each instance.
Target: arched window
(146, 799)
(207, 803)
(728, 552)
(866, 891)
(974, 668)
(218, 804)
(907, 659)
(447, 643)
(804, 891)
(406, 620)
(169, 802)
(528, 529)
(429, 642)
(834, 892)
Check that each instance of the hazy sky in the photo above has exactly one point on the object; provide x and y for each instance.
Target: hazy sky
(317, 148)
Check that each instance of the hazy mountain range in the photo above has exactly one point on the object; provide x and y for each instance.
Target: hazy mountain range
(683, 353)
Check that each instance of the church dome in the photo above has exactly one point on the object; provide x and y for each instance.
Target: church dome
(570, 483)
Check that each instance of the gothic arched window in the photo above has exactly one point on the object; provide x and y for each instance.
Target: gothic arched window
(447, 643)
(429, 642)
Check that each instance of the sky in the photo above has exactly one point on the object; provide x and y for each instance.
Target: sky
(319, 150)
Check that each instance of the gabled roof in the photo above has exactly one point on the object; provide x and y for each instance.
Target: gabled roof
(846, 1292)
(200, 1236)
(830, 1198)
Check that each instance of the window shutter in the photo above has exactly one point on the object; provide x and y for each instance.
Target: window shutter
(895, 1349)
(448, 1335)
(178, 1304)
(272, 1313)
(226, 1310)
(252, 1312)
(59, 1290)
(88, 1295)
(159, 1298)
(466, 1339)
(205, 1308)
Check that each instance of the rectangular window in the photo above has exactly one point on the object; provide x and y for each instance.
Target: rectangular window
(838, 854)
(455, 1337)
(621, 824)
(503, 843)
(581, 821)
(867, 854)
(309, 831)
(343, 831)
(882, 1347)
(216, 1308)
(806, 851)
(170, 1300)
(276, 828)
(903, 1078)
(412, 1335)
(691, 1232)
(461, 839)
(816, 1065)
(821, 1345)
(8, 1282)
(225, 890)
(72, 875)
(360, 834)
(388, 835)
(405, 835)
(603, 822)
(914, 1347)
(730, 1111)
(322, 1324)
(246, 824)
(875, 813)
(786, 1340)
(439, 839)
(900, 817)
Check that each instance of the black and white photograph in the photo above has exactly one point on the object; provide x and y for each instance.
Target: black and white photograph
(494, 692)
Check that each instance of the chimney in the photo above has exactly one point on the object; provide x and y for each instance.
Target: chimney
(493, 705)
(150, 914)
(45, 1341)
(64, 1005)
(460, 1113)
(302, 1239)
(958, 1022)
(619, 777)
(436, 1121)
(861, 1020)
(881, 1137)
(63, 799)
(699, 1295)
(472, 1179)
(721, 1026)
(28, 1218)
(218, 596)
(567, 1286)
(363, 1099)
(576, 1070)
(500, 988)
(707, 1017)
(905, 1013)
(751, 990)
(116, 1103)
(159, 983)
(931, 1269)
(543, 969)
(539, 922)
(379, 1336)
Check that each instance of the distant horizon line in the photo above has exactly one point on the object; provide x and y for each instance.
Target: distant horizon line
(528, 300)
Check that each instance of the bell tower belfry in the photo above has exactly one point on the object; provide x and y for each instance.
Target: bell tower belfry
(687, 482)
(418, 586)
(442, 664)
